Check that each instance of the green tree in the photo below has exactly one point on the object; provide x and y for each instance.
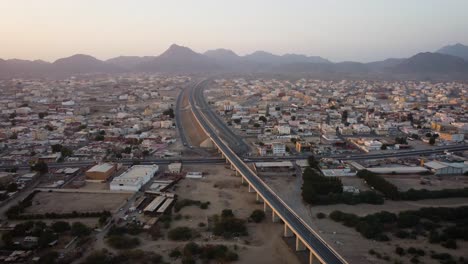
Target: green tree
(79, 229)
(12, 187)
(181, 233)
(42, 115)
(40, 167)
(257, 216)
(60, 226)
(169, 112)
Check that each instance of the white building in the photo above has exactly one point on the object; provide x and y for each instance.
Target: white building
(284, 130)
(278, 148)
(175, 167)
(134, 178)
(194, 175)
(371, 145)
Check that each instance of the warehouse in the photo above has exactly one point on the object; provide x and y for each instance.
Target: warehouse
(194, 175)
(101, 172)
(278, 168)
(155, 204)
(163, 208)
(443, 168)
(274, 166)
(175, 167)
(134, 178)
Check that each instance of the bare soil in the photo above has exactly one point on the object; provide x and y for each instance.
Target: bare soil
(348, 242)
(57, 202)
(224, 191)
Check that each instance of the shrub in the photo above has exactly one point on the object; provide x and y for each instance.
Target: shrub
(79, 229)
(450, 243)
(400, 251)
(175, 253)
(60, 226)
(380, 184)
(321, 215)
(257, 216)
(181, 233)
(123, 242)
(228, 226)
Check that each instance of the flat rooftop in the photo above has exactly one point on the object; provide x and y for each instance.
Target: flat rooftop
(103, 167)
(139, 171)
(276, 164)
(399, 169)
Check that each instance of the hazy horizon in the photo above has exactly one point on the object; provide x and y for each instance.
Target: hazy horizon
(336, 30)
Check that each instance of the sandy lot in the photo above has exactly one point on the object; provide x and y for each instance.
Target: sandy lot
(192, 129)
(405, 183)
(346, 241)
(57, 202)
(225, 191)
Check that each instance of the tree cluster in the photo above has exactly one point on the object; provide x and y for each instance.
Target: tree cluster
(124, 257)
(316, 186)
(182, 233)
(169, 112)
(390, 191)
(441, 225)
(380, 184)
(227, 225)
(207, 253)
(188, 202)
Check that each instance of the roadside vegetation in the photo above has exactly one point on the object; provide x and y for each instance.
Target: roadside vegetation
(439, 225)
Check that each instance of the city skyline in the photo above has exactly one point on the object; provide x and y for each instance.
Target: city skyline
(341, 30)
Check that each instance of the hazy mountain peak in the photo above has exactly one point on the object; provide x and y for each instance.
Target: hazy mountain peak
(220, 52)
(458, 50)
(429, 62)
(77, 58)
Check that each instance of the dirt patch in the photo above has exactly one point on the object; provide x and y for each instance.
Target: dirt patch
(417, 182)
(56, 202)
(194, 133)
(348, 242)
(224, 191)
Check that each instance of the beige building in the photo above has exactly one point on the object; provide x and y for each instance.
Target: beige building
(101, 172)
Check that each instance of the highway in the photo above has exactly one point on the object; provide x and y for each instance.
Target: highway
(321, 248)
(235, 142)
(178, 114)
(205, 160)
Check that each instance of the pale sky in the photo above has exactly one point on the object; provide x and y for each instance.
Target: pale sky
(359, 30)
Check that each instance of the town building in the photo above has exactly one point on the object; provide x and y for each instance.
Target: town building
(134, 178)
(101, 172)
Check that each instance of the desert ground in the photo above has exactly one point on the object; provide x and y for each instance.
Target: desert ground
(348, 242)
(192, 128)
(67, 202)
(223, 190)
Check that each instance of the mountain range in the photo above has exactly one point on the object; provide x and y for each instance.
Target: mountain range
(457, 50)
(448, 62)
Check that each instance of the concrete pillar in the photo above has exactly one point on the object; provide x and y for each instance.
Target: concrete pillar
(313, 259)
(242, 179)
(299, 245)
(237, 173)
(265, 207)
(287, 231)
(258, 198)
(274, 216)
(251, 189)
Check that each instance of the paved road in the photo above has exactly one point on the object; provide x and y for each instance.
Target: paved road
(204, 160)
(325, 252)
(236, 142)
(178, 115)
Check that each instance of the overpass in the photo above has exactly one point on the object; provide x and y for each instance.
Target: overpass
(306, 238)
